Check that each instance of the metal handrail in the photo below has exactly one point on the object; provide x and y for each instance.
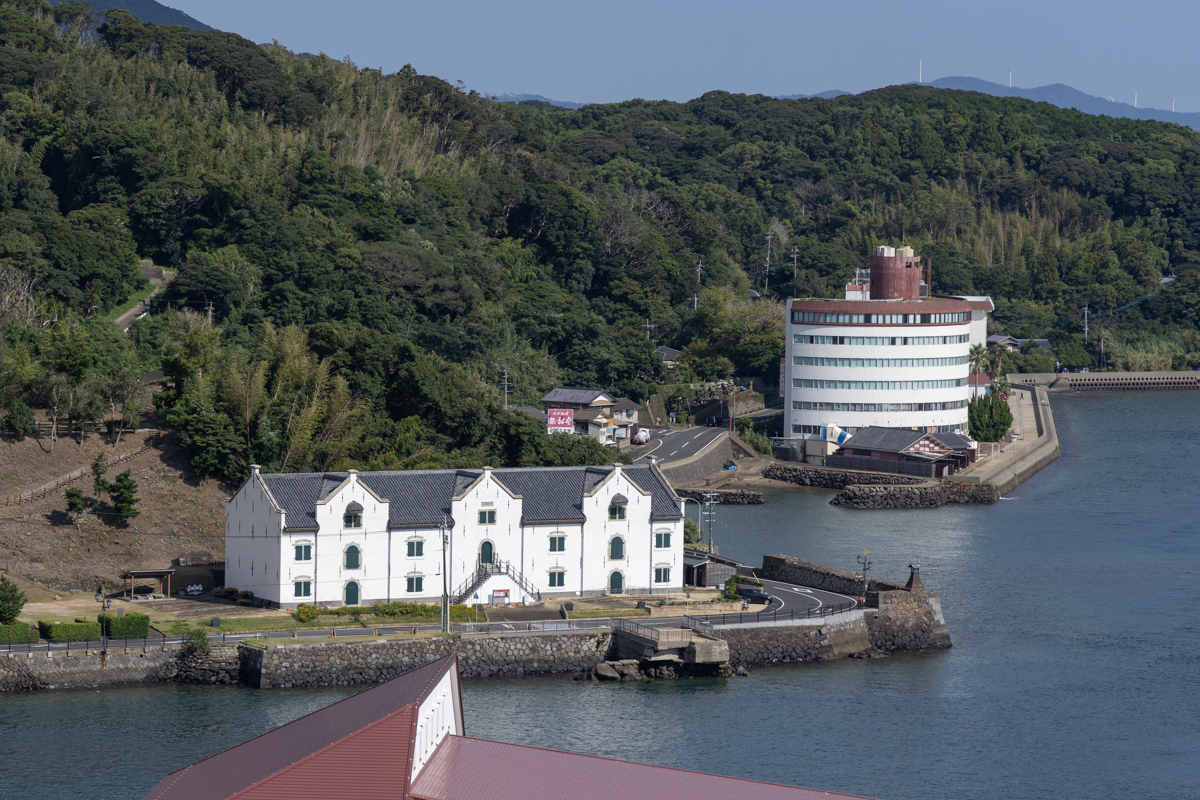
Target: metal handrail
(773, 616)
(657, 634)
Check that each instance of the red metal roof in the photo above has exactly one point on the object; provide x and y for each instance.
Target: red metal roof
(351, 735)
(463, 768)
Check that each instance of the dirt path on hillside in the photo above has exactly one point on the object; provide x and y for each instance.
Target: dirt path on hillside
(126, 319)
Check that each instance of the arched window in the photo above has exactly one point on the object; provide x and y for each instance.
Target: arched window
(353, 557)
(352, 593)
(353, 516)
(616, 548)
(616, 509)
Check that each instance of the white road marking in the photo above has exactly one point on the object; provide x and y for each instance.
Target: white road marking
(673, 452)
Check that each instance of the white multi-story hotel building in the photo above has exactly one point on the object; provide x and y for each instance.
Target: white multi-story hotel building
(359, 538)
(895, 360)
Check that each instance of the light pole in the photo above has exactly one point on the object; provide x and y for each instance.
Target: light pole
(866, 565)
(445, 579)
(104, 606)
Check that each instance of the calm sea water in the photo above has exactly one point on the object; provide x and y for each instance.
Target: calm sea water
(1075, 671)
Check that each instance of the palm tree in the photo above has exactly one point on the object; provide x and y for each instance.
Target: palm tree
(976, 358)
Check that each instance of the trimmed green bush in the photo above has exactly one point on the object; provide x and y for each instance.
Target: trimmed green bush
(348, 611)
(420, 611)
(306, 613)
(18, 633)
(130, 626)
(69, 631)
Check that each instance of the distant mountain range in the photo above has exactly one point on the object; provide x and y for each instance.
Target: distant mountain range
(1056, 94)
(148, 11)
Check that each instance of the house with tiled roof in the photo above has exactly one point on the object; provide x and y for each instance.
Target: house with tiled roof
(514, 534)
(406, 738)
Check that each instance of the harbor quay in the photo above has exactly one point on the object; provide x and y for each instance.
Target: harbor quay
(853, 620)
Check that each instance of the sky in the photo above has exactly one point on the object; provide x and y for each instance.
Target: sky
(667, 49)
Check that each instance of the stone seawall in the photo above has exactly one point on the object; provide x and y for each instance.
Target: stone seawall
(333, 664)
(897, 617)
(823, 478)
(797, 570)
(728, 497)
(79, 669)
(928, 495)
(750, 647)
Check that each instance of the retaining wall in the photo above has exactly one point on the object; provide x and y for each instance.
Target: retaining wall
(930, 495)
(694, 470)
(505, 655)
(798, 571)
(75, 669)
(823, 478)
(728, 497)
(826, 641)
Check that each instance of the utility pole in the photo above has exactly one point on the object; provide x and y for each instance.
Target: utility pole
(696, 296)
(710, 500)
(1010, 79)
(795, 254)
(648, 327)
(1085, 324)
(920, 72)
(866, 565)
(208, 311)
(504, 374)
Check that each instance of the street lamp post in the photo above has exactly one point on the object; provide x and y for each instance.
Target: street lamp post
(104, 606)
(866, 565)
(445, 579)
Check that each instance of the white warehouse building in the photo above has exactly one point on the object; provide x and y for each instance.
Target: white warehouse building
(896, 360)
(511, 535)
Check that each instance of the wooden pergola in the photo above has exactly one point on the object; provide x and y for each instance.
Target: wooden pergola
(134, 575)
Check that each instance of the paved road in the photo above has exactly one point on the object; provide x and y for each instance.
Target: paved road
(677, 444)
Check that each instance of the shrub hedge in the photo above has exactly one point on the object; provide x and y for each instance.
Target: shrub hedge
(18, 633)
(69, 631)
(130, 626)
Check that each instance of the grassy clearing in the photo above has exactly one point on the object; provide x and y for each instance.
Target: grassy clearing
(138, 296)
(608, 612)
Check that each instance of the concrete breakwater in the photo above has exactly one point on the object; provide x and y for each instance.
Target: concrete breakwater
(823, 478)
(728, 497)
(928, 495)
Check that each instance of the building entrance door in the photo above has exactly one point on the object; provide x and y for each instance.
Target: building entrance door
(351, 593)
(616, 583)
(485, 553)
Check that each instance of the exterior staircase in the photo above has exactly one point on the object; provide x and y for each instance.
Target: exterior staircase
(485, 570)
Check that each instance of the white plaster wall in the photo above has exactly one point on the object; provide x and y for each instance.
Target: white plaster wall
(333, 539)
(539, 561)
(437, 717)
(854, 420)
(636, 529)
(428, 565)
(254, 552)
(468, 535)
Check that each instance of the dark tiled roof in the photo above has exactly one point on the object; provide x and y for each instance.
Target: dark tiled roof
(891, 440)
(625, 404)
(663, 505)
(576, 394)
(420, 498)
(552, 493)
(536, 413)
(298, 493)
(463, 768)
(954, 441)
(233, 770)
(667, 353)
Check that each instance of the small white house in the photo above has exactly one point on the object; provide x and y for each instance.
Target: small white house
(515, 535)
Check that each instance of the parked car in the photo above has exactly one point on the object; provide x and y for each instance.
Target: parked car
(754, 594)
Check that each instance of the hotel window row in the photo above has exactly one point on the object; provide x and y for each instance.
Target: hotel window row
(880, 341)
(802, 405)
(880, 319)
(816, 429)
(875, 363)
(878, 386)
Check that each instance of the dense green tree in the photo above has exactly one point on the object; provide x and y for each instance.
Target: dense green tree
(989, 418)
(123, 494)
(12, 600)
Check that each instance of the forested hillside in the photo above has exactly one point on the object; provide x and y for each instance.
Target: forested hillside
(357, 255)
